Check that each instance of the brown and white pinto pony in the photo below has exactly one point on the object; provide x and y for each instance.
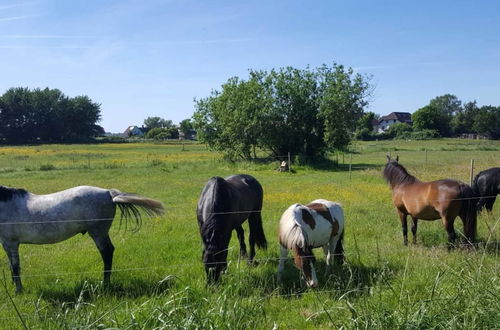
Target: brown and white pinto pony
(303, 228)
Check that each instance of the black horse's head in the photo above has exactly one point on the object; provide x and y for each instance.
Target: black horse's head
(215, 227)
(215, 263)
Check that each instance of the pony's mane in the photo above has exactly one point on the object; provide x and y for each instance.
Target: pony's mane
(396, 174)
(216, 195)
(291, 234)
(6, 193)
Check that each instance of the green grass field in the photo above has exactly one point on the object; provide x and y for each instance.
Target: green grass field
(159, 280)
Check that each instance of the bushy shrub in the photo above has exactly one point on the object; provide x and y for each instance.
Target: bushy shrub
(365, 134)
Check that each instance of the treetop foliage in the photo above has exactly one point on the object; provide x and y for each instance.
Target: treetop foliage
(47, 115)
(305, 112)
(446, 115)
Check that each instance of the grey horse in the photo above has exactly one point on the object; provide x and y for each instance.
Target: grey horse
(46, 219)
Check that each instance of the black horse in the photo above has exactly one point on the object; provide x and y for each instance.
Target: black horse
(486, 184)
(224, 205)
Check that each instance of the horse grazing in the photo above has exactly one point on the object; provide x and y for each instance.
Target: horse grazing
(442, 199)
(224, 205)
(486, 184)
(302, 228)
(46, 219)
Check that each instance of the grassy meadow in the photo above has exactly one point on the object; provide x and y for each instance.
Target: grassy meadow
(159, 281)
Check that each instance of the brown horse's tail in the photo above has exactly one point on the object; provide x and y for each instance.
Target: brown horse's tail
(469, 211)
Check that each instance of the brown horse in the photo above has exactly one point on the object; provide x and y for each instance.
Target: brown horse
(442, 199)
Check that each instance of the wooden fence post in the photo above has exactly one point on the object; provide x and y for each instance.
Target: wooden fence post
(350, 166)
(289, 163)
(471, 170)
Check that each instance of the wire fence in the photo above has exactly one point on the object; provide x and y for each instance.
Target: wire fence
(48, 219)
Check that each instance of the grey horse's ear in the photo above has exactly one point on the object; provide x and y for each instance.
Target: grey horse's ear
(397, 158)
(388, 158)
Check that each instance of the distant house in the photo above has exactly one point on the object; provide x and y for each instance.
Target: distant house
(135, 131)
(394, 117)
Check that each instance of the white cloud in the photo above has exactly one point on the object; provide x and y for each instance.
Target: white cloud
(13, 18)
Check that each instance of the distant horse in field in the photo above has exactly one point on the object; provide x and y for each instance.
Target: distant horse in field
(224, 205)
(303, 228)
(442, 199)
(46, 219)
(486, 185)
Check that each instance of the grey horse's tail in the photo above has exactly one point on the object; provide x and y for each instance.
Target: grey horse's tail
(131, 206)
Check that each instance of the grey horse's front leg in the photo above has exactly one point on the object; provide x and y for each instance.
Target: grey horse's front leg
(12, 250)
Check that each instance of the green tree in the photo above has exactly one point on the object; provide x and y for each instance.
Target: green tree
(157, 122)
(464, 118)
(343, 98)
(229, 120)
(438, 114)
(432, 118)
(399, 131)
(448, 104)
(46, 115)
(487, 121)
(305, 112)
(186, 126)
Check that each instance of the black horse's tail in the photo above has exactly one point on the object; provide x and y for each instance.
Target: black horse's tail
(469, 211)
(257, 231)
(130, 206)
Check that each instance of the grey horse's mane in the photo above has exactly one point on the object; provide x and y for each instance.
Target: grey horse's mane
(6, 193)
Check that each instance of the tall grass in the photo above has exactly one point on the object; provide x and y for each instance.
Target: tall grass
(159, 281)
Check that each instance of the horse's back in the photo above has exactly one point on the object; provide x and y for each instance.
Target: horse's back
(51, 218)
(85, 200)
(429, 200)
(246, 185)
(487, 181)
(300, 224)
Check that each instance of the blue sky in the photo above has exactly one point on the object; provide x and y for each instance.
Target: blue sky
(152, 58)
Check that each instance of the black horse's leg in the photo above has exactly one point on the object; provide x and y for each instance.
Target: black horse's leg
(480, 204)
(448, 225)
(489, 204)
(404, 226)
(106, 248)
(414, 229)
(12, 250)
(241, 237)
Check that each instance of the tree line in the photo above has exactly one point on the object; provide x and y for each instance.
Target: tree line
(310, 112)
(158, 128)
(47, 115)
(307, 112)
(444, 116)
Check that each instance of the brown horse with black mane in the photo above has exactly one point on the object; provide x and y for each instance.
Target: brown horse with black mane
(442, 199)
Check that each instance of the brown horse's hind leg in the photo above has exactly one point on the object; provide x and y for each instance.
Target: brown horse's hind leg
(414, 229)
(404, 226)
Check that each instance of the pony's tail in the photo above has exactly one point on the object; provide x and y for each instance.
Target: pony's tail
(469, 211)
(131, 206)
(256, 231)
